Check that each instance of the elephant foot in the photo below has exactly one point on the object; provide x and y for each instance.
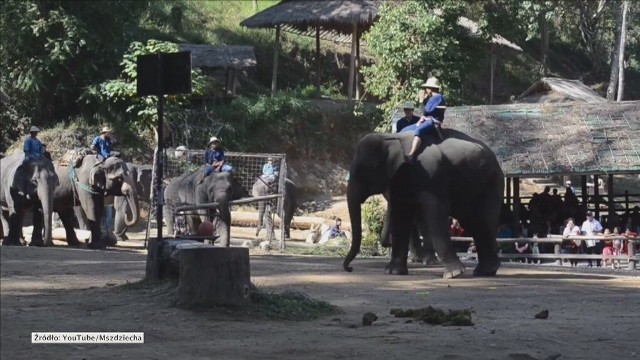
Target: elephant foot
(11, 242)
(73, 243)
(36, 242)
(96, 246)
(122, 237)
(111, 241)
(487, 268)
(396, 267)
(453, 269)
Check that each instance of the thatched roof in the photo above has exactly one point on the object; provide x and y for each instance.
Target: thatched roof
(554, 90)
(546, 139)
(235, 56)
(338, 15)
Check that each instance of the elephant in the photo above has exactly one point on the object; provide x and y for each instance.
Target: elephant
(262, 188)
(141, 175)
(85, 181)
(188, 190)
(455, 176)
(42, 180)
(421, 251)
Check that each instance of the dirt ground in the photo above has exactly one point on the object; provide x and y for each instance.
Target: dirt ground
(593, 315)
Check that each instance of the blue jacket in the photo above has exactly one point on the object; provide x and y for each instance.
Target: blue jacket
(103, 145)
(33, 148)
(431, 107)
(211, 156)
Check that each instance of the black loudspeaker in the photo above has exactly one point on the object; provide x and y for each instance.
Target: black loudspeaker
(164, 74)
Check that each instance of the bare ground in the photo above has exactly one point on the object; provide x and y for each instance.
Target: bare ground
(593, 315)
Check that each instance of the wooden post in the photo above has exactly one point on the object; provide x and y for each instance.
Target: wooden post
(611, 203)
(352, 62)
(274, 77)
(492, 73)
(516, 205)
(585, 192)
(318, 92)
(596, 197)
(508, 195)
(234, 80)
(631, 252)
(357, 71)
(626, 201)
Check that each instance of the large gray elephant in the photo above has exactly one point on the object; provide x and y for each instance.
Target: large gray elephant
(85, 181)
(141, 175)
(458, 176)
(41, 180)
(262, 188)
(187, 190)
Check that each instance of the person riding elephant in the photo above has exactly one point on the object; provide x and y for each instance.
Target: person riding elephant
(41, 180)
(434, 105)
(457, 176)
(189, 189)
(262, 188)
(214, 159)
(85, 180)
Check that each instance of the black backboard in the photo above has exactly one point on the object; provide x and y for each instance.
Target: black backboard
(164, 74)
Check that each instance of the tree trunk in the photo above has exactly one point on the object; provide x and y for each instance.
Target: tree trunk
(623, 36)
(615, 53)
(544, 36)
(255, 6)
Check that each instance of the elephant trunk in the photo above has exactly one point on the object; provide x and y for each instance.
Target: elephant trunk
(354, 200)
(224, 229)
(46, 199)
(130, 195)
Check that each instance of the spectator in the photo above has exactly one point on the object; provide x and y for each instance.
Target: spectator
(612, 248)
(591, 227)
(457, 230)
(335, 230)
(572, 246)
(471, 251)
(629, 234)
(569, 188)
(408, 119)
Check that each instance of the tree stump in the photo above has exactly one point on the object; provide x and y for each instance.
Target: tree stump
(213, 276)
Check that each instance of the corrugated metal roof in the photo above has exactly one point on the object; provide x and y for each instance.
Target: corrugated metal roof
(236, 56)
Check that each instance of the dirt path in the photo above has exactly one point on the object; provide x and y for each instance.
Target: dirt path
(592, 315)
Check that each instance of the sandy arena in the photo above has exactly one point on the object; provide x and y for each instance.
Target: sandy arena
(593, 314)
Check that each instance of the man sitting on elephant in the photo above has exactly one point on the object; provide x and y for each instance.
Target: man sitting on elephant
(432, 117)
(33, 149)
(102, 144)
(214, 159)
(408, 119)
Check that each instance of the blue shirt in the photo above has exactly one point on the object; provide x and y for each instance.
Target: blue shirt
(103, 145)
(431, 107)
(267, 169)
(403, 123)
(33, 148)
(211, 156)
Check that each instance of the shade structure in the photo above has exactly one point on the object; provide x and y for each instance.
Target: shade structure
(352, 17)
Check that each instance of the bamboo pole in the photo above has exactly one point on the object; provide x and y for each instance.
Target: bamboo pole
(274, 76)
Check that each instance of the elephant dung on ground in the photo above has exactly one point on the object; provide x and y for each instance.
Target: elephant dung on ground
(186, 190)
(458, 176)
(85, 180)
(262, 188)
(41, 180)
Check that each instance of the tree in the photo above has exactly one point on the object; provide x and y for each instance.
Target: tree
(409, 49)
(616, 78)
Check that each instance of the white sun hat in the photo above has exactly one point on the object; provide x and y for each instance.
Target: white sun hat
(432, 82)
(34, 129)
(213, 139)
(408, 105)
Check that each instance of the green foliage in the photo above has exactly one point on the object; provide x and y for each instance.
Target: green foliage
(410, 48)
(120, 94)
(289, 305)
(373, 212)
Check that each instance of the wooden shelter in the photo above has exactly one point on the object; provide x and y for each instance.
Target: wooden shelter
(231, 58)
(571, 138)
(352, 17)
(555, 90)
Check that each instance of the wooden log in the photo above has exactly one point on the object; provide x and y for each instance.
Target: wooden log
(213, 276)
(59, 233)
(249, 218)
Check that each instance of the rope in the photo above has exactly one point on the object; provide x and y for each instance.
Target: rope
(74, 178)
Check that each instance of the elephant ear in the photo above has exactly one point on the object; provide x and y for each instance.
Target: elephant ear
(394, 156)
(98, 178)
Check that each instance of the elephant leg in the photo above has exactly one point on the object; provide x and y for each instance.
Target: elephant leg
(401, 216)
(97, 242)
(4, 219)
(15, 228)
(68, 219)
(435, 228)
(81, 218)
(261, 207)
(119, 227)
(288, 216)
(484, 228)
(415, 245)
(38, 223)
(385, 236)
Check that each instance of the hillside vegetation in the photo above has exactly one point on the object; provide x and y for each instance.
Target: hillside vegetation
(68, 64)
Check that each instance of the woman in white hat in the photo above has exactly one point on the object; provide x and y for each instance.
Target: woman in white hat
(102, 143)
(214, 159)
(408, 119)
(433, 114)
